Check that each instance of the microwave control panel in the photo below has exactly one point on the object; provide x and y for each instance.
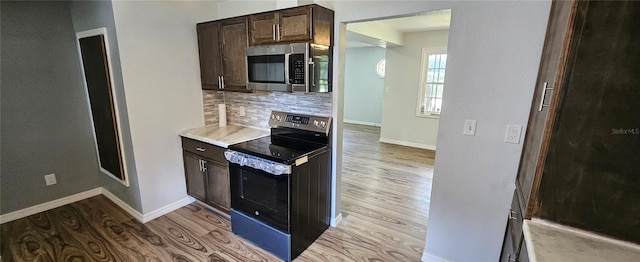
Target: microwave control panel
(297, 68)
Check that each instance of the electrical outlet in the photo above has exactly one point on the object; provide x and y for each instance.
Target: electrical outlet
(469, 128)
(50, 179)
(512, 134)
(242, 111)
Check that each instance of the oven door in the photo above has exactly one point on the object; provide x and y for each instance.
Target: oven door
(260, 195)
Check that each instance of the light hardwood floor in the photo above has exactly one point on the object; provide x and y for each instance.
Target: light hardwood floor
(385, 200)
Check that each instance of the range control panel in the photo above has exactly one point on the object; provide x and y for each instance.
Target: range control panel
(300, 121)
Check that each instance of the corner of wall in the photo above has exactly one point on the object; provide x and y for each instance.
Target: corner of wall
(427, 257)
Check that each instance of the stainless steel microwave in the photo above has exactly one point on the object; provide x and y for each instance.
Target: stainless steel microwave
(298, 67)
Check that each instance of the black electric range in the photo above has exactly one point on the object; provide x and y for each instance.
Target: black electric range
(281, 184)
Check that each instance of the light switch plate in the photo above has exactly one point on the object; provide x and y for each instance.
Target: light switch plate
(469, 128)
(512, 135)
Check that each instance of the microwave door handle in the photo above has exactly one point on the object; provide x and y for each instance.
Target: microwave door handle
(287, 66)
(312, 72)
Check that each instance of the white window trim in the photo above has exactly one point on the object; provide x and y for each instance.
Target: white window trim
(423, 78)
(382, 61)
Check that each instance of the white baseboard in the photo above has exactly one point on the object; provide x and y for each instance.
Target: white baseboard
(426, 257)
(165, 209)
(336, 220)
(49, 205)
(143, 218)
(364, 123)
(126, 207)
(405, 143)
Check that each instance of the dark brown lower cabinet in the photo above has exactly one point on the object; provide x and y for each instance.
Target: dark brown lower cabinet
(207, 174)
(194, 176)
(524, 253)
(513, 237)
(217, 175)
(508, 250)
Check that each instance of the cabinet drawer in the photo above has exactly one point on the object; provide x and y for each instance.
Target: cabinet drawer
(204, 150)
(515, 222)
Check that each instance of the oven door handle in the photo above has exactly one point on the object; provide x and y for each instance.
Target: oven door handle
(268, 166)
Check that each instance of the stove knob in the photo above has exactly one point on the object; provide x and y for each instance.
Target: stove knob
(257, 213)
(273, 117)
(278, 118)
(316, 123)
(323, 124)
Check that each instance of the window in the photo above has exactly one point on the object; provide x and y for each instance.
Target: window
(380, 68)
(434, 63)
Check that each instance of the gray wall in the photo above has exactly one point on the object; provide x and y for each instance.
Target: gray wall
(363, 89)
(88, 15)
(45, 121)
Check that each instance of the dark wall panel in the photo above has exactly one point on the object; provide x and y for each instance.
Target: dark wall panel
(94, 60)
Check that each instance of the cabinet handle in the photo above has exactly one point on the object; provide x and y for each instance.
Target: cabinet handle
(513, 215)
(223, 86)
(201, 149)
(544, 93)
(274, 31)
(511, 259)
(219, 83)
(204, 166)
(278, 27)
(200, 165)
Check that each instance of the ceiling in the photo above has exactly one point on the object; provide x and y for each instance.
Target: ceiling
(436, 20)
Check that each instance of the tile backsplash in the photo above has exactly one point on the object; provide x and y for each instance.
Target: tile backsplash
(258, 106)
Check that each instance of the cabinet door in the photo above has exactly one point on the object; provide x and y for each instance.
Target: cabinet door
(194, 176)
(234, 41)
(262, 28)
(550, 75)
(218, 186)
(295, 24)
(524, 253)
(210, 56)
(508, 253)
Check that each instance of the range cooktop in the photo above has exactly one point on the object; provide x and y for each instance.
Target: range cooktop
(279, 150)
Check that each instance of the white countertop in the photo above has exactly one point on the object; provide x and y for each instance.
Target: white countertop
(548, 241)
(224, 136)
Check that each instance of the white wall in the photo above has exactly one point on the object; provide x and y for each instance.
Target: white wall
(378, 30)
(492, 68)
(400, 124)
(160, 68)
(363, 88)
(494, 50)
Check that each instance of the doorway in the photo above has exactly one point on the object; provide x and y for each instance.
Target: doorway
(387, 165)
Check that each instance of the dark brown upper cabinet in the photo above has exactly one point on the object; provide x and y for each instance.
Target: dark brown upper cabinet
(310, 23)
(222, 59)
